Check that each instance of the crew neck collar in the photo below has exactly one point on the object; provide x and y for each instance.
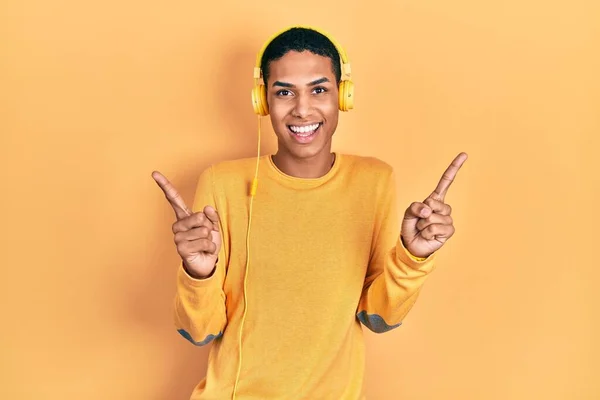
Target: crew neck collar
(302, 183)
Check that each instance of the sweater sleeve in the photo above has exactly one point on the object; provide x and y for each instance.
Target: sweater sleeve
(394, 277)
(199, 304)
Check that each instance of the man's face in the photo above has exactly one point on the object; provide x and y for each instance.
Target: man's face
(303, 103)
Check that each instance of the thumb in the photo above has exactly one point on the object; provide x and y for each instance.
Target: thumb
(216, 238)
(213, 216)
(412, 215)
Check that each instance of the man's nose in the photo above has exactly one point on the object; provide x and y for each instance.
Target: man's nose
(302, 106)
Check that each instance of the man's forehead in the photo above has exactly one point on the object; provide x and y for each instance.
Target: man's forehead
(302, 68)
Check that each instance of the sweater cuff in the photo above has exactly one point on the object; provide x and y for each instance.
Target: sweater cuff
(187, 280)
(421, 263)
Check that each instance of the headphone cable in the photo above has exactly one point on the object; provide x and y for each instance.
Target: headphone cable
(252, 194)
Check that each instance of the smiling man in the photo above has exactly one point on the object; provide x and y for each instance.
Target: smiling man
(301, 71)
(283, 280)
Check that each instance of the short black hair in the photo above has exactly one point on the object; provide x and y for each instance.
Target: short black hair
(300, 39)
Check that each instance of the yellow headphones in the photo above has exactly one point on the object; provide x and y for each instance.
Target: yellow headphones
(346, 87)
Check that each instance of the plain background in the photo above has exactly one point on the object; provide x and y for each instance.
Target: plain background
(96, 95)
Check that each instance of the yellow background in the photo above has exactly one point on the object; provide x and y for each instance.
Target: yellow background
(96, 95)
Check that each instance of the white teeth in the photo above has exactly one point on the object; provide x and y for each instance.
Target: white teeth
(304, 129)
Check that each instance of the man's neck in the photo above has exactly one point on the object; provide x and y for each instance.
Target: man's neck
(309, 168)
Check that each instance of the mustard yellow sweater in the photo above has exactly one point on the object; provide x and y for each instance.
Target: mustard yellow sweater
(325, 260)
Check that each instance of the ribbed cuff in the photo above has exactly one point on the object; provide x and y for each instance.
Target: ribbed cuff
(187, 280)
(420, 263)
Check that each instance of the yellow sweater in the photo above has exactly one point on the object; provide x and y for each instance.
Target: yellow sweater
(325, 259)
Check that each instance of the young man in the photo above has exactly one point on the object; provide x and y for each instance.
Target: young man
(284, 301)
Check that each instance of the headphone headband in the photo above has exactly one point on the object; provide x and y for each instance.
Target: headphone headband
(346, 70)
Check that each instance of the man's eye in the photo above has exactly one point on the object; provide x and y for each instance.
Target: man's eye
(283, 92)
(320, 89)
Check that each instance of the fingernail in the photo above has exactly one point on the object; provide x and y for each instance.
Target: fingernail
(425, 212)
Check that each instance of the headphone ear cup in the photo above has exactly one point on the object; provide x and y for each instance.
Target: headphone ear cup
(346, 96)
(259, 100)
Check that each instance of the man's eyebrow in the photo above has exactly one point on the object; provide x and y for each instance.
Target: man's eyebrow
(316, 82)
(313, 83)
(284, 84)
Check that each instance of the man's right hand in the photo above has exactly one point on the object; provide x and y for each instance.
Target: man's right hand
(196, 235)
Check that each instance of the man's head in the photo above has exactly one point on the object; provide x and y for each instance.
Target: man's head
(299, 40)
(301, 73)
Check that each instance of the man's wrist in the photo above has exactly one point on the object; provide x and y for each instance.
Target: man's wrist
(199, 277)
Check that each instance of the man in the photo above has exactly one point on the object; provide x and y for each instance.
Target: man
(284, 302)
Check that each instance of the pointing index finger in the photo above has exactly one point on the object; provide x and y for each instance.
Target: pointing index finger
(172, 195)
(448, 177)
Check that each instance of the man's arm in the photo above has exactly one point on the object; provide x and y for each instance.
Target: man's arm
(401, 261)
(199, 305)
(394, 277)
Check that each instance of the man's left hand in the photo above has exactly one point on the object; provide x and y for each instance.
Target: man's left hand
(428, 225)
